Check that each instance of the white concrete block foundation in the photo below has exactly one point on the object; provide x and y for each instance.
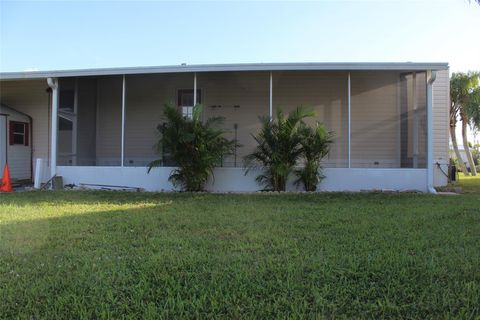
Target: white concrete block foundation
(234, 179)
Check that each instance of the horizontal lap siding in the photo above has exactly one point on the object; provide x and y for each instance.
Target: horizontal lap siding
(146, 96)
(18, 155)
(109, 120)
(19, 162)
(375, 120)
(326, 94)
(422, 107)
(441, 107)
(30, 97)
(86, 117)
(250, 92)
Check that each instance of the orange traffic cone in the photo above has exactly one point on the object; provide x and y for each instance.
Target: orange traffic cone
(6, 183)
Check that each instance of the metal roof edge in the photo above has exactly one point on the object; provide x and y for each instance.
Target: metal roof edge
(352, 66)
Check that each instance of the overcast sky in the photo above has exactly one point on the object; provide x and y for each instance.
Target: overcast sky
(68, 35)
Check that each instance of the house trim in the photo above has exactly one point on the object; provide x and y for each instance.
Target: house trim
(314, 66)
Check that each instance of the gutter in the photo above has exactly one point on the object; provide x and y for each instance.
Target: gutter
(431, 76)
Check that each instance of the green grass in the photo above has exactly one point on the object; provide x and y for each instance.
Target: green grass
(84, 255)
(469, 183)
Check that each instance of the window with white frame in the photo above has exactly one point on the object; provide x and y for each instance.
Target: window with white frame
(186, 101)
(19, 133)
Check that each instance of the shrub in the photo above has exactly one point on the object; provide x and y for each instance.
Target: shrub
(476, 156)
(195, 147)
(283, 144)
(278, 148)
(315, 145)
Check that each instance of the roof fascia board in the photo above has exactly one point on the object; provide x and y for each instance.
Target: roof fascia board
(374, 66)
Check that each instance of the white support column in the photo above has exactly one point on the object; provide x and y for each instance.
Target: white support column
(75, 124)
(194, 89)
(53, 84)
(415, 121)
(349, 121)
(123, 122)
(270, 109)
(431, 76)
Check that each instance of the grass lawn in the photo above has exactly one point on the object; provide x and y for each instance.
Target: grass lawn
(81, 255)
(469, 183)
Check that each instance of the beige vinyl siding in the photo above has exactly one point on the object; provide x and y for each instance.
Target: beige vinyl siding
(375, 125)
(375, 110)
(18, 156)
(326, 94)
(64, 149)
(19, 162)
(220, 92)
(240, 98)
(441, 107)
(109, 121)
(30, 97)
(422, 117)
(86, 121)
(145, 97)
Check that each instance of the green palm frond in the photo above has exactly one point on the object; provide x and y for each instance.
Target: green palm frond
(279, 147)
(195, 146)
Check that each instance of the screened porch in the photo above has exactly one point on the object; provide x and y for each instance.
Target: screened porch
(378, 117)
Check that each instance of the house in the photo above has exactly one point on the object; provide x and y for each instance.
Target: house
(99, 126)
(15, 146)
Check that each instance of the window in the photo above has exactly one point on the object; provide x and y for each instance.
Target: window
(185, 101)
(66, 100)
(64, 124)
(18, 133)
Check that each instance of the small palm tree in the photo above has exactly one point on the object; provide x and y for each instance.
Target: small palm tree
(278, 148)
(315, 145)
(195, 147)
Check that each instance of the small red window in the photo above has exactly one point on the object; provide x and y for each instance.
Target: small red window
(18, 133)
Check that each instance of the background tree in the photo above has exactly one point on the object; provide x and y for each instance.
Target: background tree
(457, 82)
(464, 95)
(472, 109)
(195, 147)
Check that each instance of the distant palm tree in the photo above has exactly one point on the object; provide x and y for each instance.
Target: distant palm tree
(465, 103)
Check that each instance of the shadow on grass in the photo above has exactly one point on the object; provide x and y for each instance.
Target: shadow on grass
(88, 197)
(83, 266)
